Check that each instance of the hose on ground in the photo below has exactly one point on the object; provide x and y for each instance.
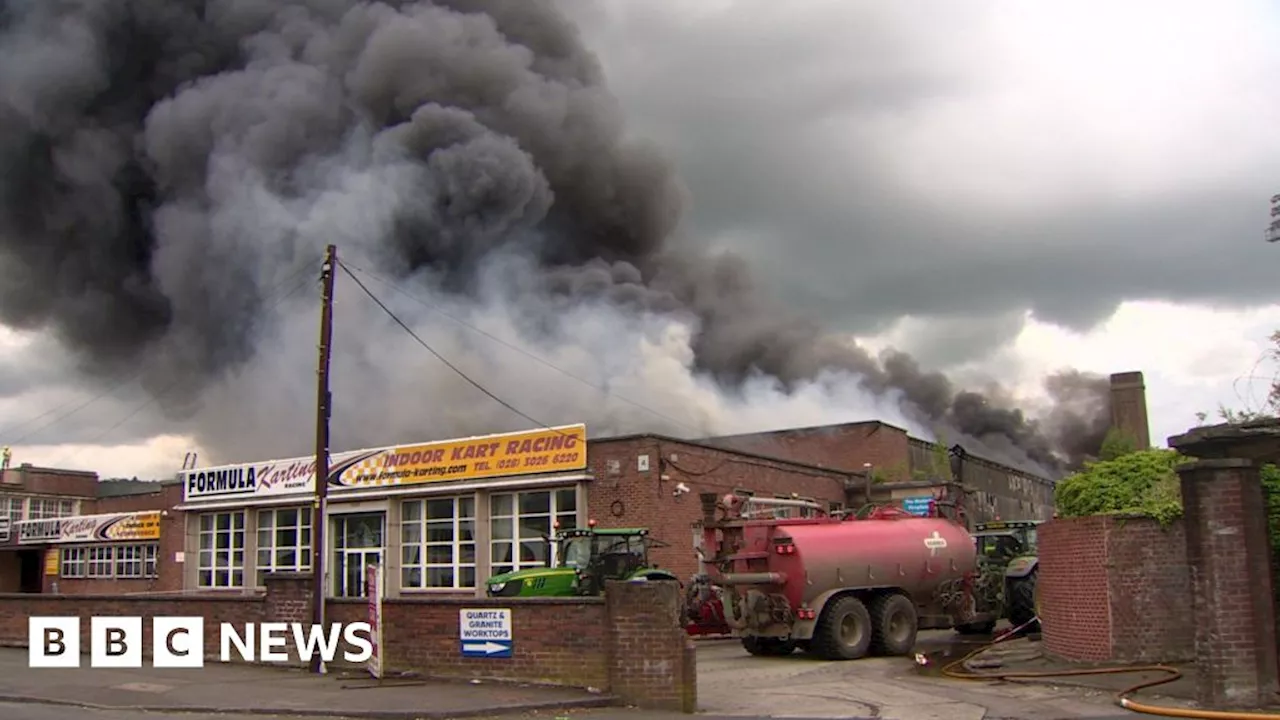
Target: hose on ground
(958, 670)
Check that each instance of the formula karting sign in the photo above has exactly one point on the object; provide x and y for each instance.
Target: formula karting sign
(112, 527)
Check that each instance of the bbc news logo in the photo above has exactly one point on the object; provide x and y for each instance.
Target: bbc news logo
(179, 642)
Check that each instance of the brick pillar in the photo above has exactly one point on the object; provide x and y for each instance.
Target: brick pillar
(1229, 556)
(288, 600)
(652, 661)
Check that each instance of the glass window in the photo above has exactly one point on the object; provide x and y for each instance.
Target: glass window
(220, 563)
(284, 541)
(150, 560)
(100, 562)
(72, 562)
(519, 522)
(438, 543)
(129, 561)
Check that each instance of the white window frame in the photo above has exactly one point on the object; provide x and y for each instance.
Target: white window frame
(417, 546)
(128, 562)
(220, 567)
(99, 557)
(514, 522)
(151, 560)
(74, 562)
(269, 527)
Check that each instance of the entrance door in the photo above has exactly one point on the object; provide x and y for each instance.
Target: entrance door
(30, 571)
(357, 543)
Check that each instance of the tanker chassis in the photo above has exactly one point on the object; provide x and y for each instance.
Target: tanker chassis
(839, 588)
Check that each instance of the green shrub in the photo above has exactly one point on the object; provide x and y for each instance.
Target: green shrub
(1141, 483)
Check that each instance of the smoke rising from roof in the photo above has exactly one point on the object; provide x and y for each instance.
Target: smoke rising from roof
(169, 163)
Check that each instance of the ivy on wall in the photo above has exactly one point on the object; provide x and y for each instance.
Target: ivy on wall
(1143, 483)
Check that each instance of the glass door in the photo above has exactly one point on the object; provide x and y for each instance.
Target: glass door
(357, 543)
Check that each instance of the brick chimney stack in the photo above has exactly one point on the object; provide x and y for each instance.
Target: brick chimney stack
(1129, 408)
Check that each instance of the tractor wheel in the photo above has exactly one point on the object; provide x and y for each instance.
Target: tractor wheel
(893, 625)
(768, 647)
(978, 628)
(1022, 602)
(844, 630)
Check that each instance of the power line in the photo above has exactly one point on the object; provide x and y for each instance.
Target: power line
(109, 391)
(522, 351)
(438, 356)
(174, 385)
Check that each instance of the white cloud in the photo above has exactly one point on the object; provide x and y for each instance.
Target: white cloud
(156, 458)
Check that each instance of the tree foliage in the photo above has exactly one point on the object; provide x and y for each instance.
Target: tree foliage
(1135, 483)
(1271, 489)
(1117, 444)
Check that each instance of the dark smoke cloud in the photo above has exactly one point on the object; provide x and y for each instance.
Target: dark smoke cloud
(167, 162)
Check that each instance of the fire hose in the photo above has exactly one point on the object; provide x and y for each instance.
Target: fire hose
(958, 670)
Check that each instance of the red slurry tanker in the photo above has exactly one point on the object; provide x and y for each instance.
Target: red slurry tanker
(837, 587)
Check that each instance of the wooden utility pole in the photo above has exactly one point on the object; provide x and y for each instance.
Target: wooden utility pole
(318, 564)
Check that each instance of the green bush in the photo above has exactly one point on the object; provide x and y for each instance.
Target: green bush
(1271, 488)
(1141, 483)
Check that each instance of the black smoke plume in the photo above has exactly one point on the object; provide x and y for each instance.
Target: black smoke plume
(164, 162)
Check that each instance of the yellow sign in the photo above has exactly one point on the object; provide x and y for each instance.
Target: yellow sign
(51, 562)
(561, 449)
(137, 526)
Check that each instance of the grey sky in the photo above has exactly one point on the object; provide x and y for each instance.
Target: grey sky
(800, 132)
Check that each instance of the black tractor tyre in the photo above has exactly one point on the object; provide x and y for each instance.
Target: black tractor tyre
(894, 625)
(1022, 602)
(978, 628)
(768, 647)
(844, 631)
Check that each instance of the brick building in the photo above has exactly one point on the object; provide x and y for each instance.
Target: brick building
(444, 516)
(887, 465)
(68, 531)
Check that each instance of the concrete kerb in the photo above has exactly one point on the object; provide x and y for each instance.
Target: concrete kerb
(490, 711)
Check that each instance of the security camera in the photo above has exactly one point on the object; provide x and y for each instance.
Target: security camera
(681, 488)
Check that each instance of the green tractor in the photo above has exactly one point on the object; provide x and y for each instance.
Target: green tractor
(586, 558)
(1007, 564)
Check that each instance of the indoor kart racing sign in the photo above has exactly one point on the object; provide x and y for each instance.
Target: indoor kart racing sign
(558, 449)
(111, 527)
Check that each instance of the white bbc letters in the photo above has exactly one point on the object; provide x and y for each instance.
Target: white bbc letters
(177, 642)
(115, 642)
(53, 642)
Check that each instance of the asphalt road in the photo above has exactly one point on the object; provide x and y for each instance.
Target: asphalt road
(15, 711)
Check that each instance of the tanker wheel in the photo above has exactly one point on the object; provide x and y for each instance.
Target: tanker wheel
(768, 647)
(844, 632)
(1022, 602)
(894, 625)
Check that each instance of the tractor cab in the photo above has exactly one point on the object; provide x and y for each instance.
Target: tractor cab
(1002, 541)
(585, 559)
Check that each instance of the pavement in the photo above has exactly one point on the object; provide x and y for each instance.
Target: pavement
(261, 690)
(732, 685)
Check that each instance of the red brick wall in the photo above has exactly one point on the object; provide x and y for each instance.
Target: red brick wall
(1150, 592)
(172, 532)
(632, 498)
(1114, 589)
(629, 643)
(840, 447)
(47, 481)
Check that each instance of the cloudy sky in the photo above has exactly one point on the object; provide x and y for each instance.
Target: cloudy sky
(1000, 188)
